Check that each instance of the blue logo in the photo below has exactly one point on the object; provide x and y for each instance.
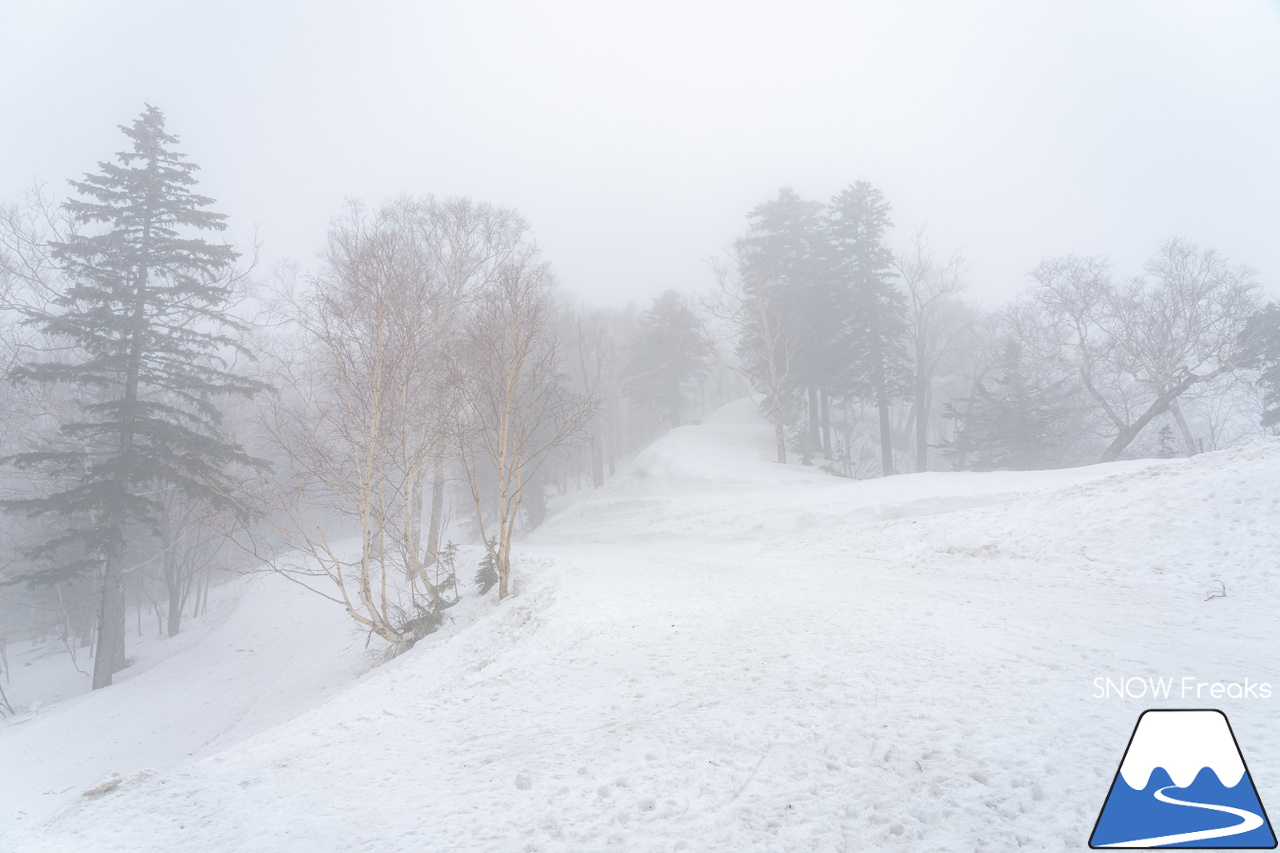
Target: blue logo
(1183, 783)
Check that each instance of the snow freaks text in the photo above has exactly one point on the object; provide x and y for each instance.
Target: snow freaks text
(1186, 687)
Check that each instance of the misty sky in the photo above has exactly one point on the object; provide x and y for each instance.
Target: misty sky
(635, 136)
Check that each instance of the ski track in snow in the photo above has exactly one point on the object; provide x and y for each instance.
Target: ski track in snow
(718, 653)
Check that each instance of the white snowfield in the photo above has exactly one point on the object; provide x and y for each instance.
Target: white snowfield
(713, 653)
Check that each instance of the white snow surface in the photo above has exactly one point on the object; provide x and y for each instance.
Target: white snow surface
(714, 652)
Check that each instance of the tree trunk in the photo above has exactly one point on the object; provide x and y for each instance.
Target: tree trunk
(1187, 438)
(199, 584)
(174, 587)
(504, 568)
(1129, 433)
(175, 613)
(1161, 405)
(110, 654)
(597, 458)
(815, 442)
(780, 437)
(437, 509)
(172, 581)
(674, 391)
(414, 533)
(886, 437)
(826, 424)
(923, 393)
(111, 626)
(611, 440)
(886, 433)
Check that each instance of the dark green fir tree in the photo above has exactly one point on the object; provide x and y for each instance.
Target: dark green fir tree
(878, 365)
(1262, 346)
(145, 341)
(1012, 422)
(670, 354)
(784, 255)
(487, 574)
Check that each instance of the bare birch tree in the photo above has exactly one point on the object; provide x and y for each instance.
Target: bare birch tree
(1136, 349)
(511, 407)
(594, 363)
(931, 286)
(464, 240)
(353, 429)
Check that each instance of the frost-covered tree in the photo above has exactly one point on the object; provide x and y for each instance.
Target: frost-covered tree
(595, 368)
(1011, 421)
(819, 283)
(752, 306)
(783, 261)
(147, 340)
(934, 326)
(1262, 340)
(669, 353)
(511, 408)
(878, 366)
(360, 425)
(1136, 348)
(487, 573)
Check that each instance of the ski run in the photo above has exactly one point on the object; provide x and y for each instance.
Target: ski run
(713, 652)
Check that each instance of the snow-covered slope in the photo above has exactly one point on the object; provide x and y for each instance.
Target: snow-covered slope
(277, 653)
(715, 652)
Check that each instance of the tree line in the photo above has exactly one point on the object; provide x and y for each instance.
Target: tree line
(170, 411)
(852, 345)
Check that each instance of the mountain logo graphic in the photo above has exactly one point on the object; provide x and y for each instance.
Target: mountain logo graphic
(1183, 783)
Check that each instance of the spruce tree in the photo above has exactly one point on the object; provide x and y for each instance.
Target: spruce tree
(784, 253)
(487, 575)
(875, 334)
(1262, 348)
(669, 351)
(1011, 423)
(146, 335)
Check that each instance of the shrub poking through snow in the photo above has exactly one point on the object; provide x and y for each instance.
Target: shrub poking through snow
(447, 574)
(487, 576)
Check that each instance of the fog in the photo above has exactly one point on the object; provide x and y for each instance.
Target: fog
(669, 426)
(635, 138)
